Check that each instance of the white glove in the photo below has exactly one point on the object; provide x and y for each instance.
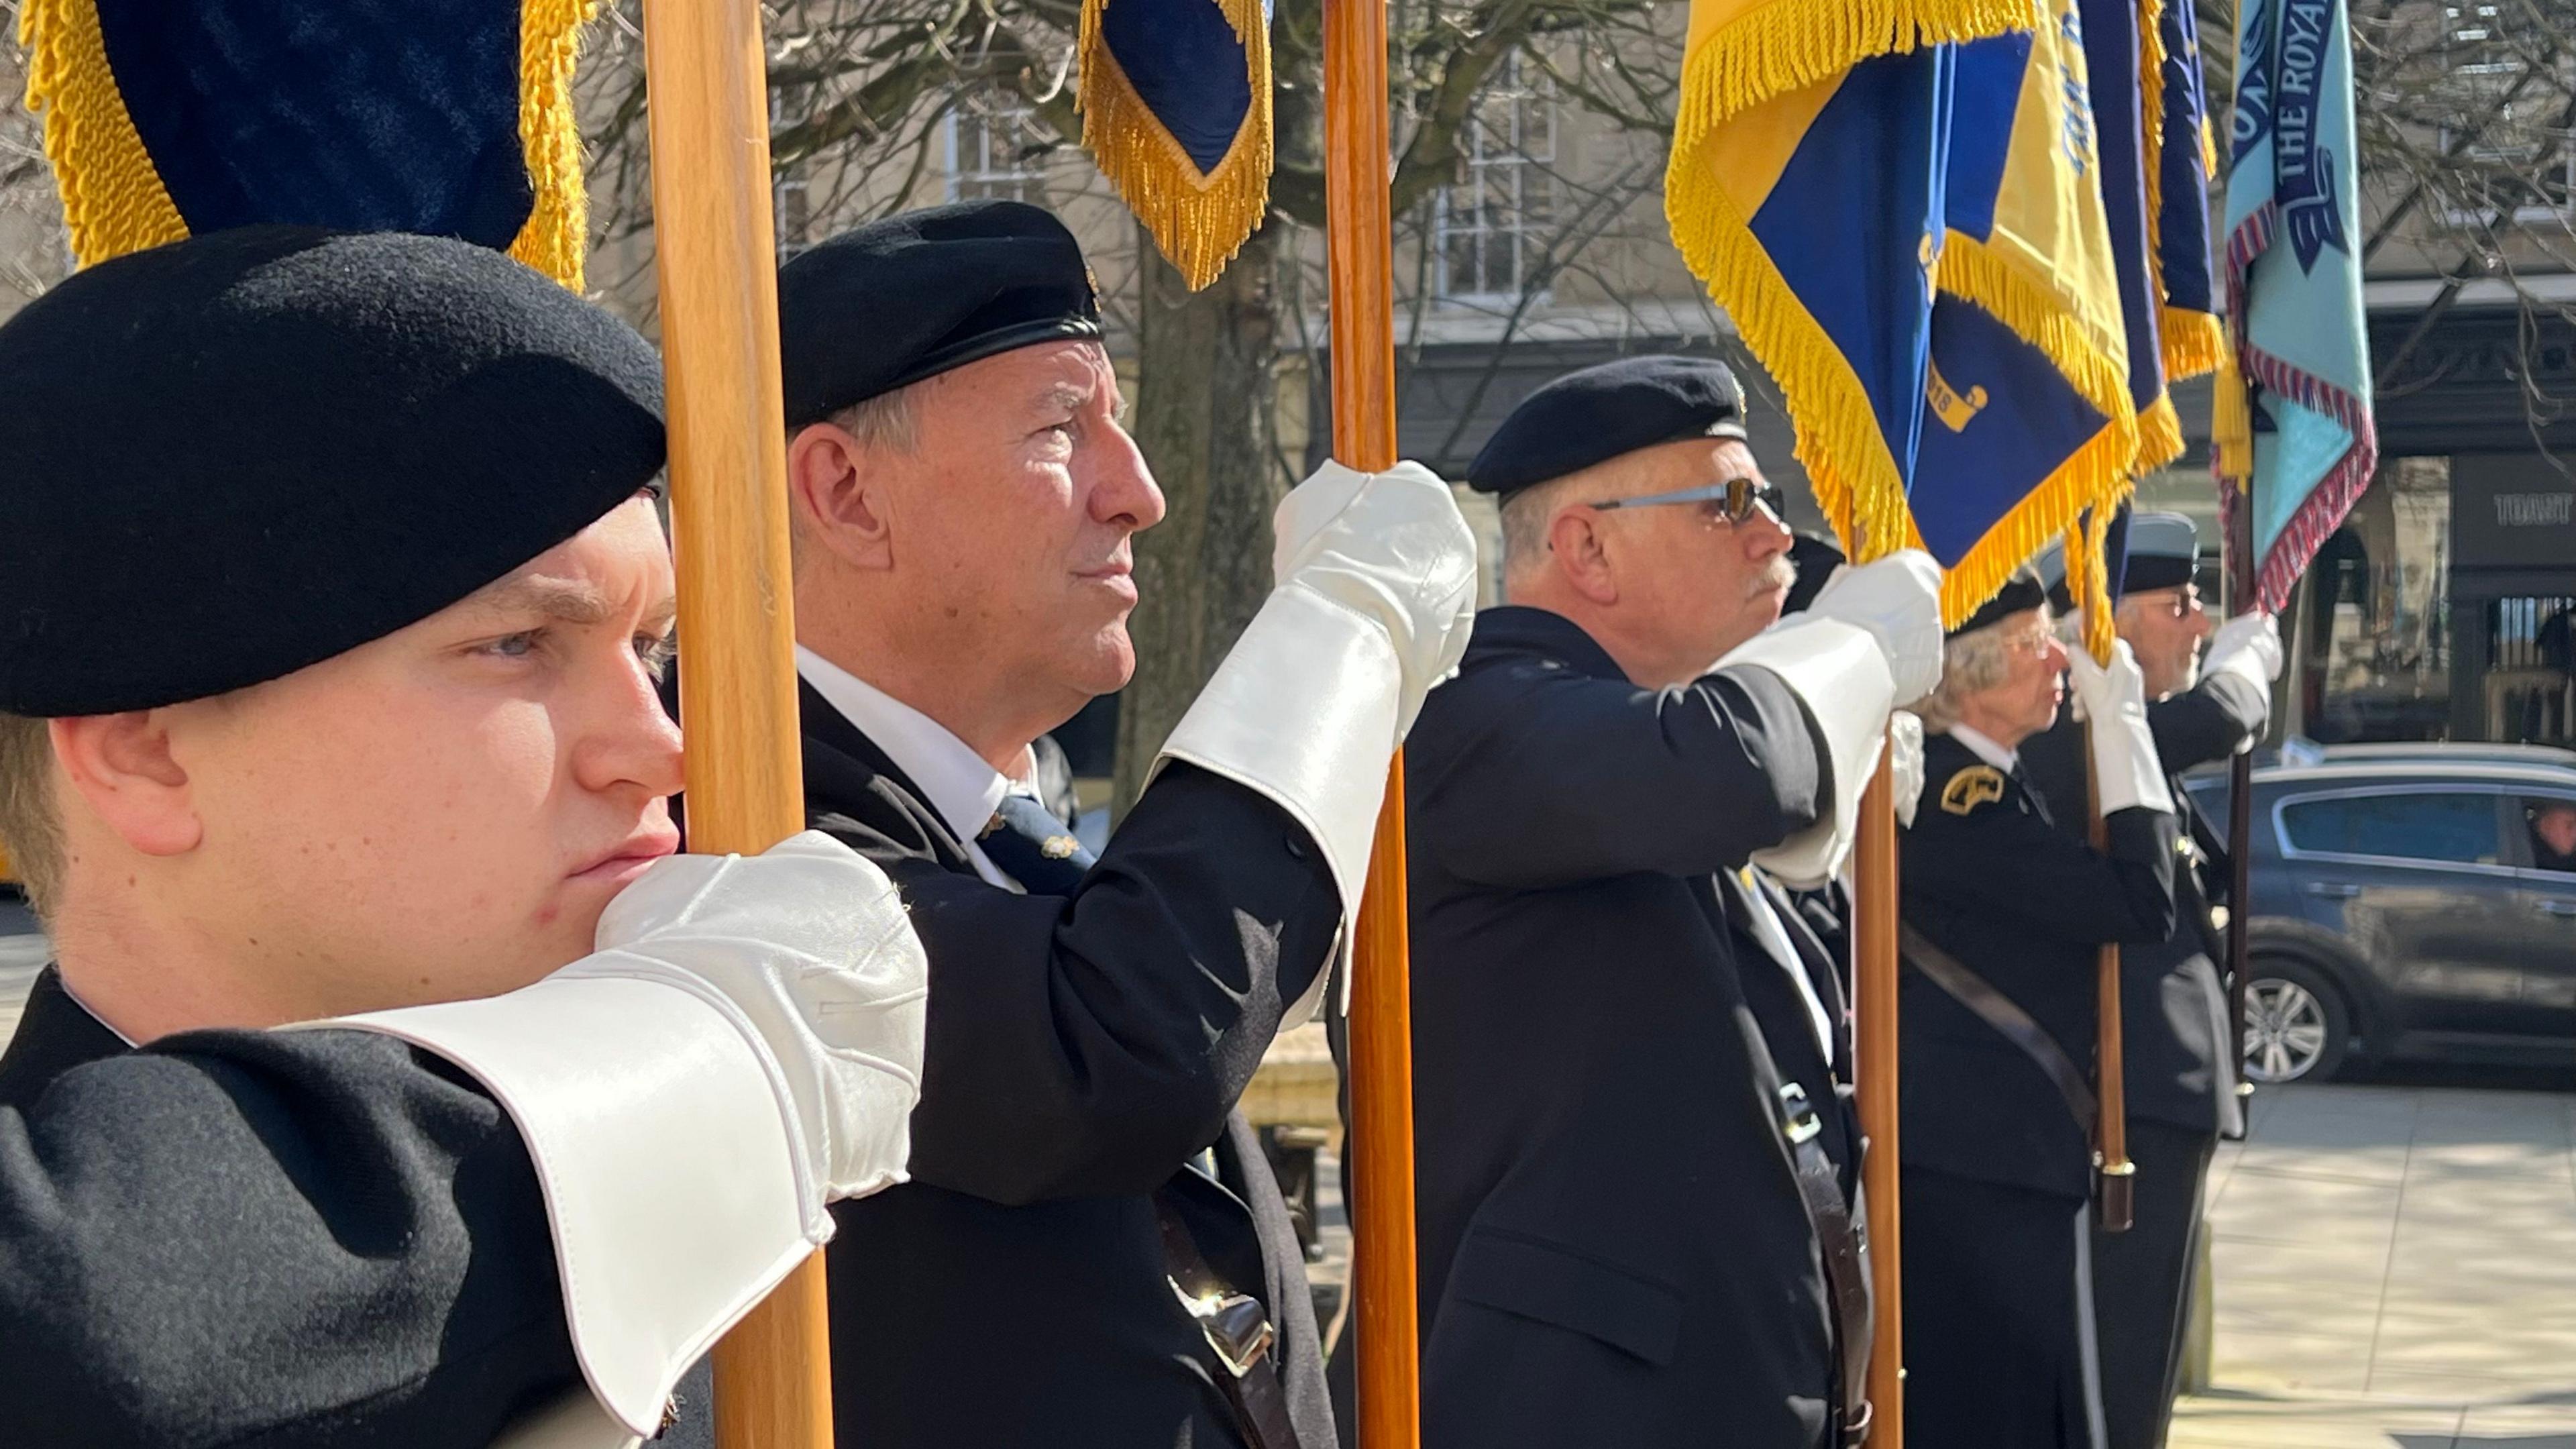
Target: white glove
(810, 950)
(745, 1045)
(1393, 549)
(2114, 698)
(1898, 600)
(1905, 762)
(2248, 645)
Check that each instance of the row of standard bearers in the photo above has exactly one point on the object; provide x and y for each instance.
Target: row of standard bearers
(398, 1083)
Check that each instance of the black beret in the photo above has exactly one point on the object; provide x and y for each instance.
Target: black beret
(2163, 553)
(1603, 412)
(227, 458)
(2023, 591)
(887, 304)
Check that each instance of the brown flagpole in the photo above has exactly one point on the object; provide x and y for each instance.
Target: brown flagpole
(716, 256)
(2114, 1204)
(1359, 237)
(1874, 972)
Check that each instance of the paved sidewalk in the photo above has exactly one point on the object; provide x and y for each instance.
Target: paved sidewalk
(2396, 1269)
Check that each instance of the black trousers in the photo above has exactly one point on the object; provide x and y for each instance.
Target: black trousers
(1998, 1317)
(2142, 1283)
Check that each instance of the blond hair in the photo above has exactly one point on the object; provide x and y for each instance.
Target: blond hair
(31, 829)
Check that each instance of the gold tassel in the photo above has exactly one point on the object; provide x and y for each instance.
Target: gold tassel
(556, 238)
(113, 199)
(1199, 221)
(2231, 420)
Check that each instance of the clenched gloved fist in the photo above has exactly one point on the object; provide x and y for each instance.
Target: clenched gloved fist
(2114, 699)
(1898, 600)
(1392, 549)
(807, 948)
(2247, 645)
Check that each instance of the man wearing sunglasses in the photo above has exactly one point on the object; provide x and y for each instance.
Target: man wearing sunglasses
(1630, 1231)
(2180, 1073)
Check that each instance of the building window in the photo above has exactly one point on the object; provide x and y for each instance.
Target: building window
(1490, 230)
(996, 149)
(2516, 167)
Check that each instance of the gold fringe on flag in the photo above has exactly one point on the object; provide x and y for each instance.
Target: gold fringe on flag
(556, 238)
(2231, 421)
(2088, 577)
(1787, 45)
(1199, 220)
(113, 198)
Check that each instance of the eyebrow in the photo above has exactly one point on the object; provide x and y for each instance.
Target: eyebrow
(559, 599)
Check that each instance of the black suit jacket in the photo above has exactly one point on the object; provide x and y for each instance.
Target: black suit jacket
(1613, 1250)
(1987, 876)
(2173, 1004)
(1081, 1051)
(285, 1239)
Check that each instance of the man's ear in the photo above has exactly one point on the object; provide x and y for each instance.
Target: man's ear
(833, 498)
(122, 767)
(1577, 550)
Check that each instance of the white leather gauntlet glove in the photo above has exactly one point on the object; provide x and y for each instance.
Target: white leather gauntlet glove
(746, 1044)
(807, 947)
(1898, 600)
(1376, 597)
(2114, 697)
(2248, 645)
(1905, 763)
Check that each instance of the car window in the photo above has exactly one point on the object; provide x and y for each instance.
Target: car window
(2549, 825)
(2444, 827)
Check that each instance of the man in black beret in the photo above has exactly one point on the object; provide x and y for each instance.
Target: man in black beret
(2003, 913)
(2180, 1071)
(1627, 1047)
(1091, 1249)
(327, 699)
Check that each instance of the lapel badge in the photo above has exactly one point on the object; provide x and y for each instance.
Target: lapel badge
(1058, 847)
(1974, 786)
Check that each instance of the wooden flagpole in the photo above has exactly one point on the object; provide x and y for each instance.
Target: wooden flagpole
(1874, 973)
(1359, 236)
(707, 90)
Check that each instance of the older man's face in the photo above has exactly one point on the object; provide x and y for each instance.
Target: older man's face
(1712, 582)
(1018, 502)
(2164, 628)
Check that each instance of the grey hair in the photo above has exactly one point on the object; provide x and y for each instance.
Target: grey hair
(1971, 664)
(1526, 515)
(884, 421)
(31, 828)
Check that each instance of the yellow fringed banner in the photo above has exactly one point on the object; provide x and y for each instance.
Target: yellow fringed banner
(1200, 219)
(115, 198)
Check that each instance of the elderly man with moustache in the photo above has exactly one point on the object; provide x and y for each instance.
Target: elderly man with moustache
(2003, 914)
(1091, 1250)
(2181, 1075)
(1632, 1231)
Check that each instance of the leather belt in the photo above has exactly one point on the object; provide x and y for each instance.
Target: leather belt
(2006, 1016)
(1843, 1242)
(1238, 1333)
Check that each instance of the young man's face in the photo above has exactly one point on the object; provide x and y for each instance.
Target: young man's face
(444, 813)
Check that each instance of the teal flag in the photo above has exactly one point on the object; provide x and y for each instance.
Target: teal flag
(2295, 436)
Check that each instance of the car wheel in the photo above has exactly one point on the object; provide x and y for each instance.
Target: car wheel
(2296, 1024)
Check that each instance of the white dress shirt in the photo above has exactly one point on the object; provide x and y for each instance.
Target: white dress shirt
(1984, 748)
(1774, 936)
(958, 783)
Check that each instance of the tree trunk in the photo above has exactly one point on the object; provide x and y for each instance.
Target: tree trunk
(1204, 417)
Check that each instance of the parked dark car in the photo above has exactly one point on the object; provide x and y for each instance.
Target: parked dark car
(2407, 906)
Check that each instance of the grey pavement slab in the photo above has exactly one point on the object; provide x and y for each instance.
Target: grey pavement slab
(2395, 1269)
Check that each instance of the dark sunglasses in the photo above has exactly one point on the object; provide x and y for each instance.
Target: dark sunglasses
(1737, 497)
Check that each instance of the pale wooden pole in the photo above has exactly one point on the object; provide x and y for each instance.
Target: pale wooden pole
(707, 86)
(1359, 233)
